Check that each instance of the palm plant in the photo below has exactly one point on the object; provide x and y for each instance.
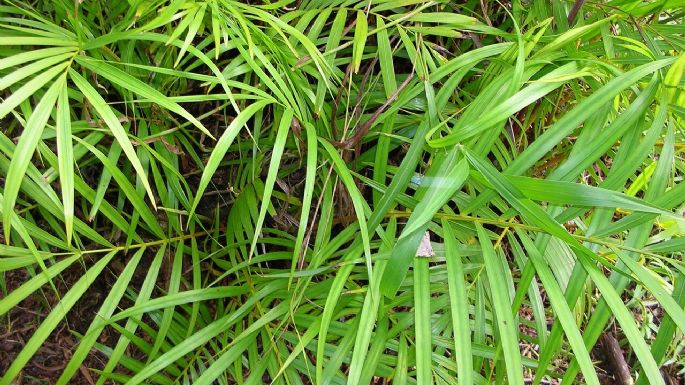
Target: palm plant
(259, 176)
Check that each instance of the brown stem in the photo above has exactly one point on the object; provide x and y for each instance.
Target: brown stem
(364, 127)
(336, 102)
(358, 100)
(574, 11)
(616, 359)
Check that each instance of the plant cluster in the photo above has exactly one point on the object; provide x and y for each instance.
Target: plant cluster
(343, 191)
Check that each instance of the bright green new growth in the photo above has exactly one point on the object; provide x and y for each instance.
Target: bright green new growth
(252, 181)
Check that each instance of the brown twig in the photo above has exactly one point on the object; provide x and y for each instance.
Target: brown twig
(336, 102)
(358, 100)
(475, 39)
(296, 127)
(616, 359)
(366, 126)
(574, 11)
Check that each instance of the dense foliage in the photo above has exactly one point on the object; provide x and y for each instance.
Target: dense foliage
(343, 191)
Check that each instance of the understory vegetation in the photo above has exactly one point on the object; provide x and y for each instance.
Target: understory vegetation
(342, 192)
